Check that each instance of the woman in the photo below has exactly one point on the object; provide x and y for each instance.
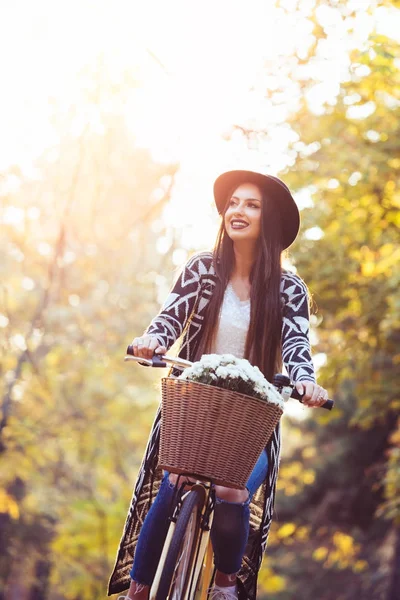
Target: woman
(236, 299)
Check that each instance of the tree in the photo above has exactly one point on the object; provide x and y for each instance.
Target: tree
(79, 280)
(337, 528)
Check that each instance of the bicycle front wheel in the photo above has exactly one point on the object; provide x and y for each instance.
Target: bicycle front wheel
(178, 566)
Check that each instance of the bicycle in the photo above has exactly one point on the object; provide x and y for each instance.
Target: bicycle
(185, 570)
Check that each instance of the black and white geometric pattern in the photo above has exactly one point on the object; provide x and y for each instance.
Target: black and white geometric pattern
(182, 315)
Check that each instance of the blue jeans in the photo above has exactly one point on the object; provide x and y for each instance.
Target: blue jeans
(229, 532)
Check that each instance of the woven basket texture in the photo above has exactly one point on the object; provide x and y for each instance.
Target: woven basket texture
(212, 432)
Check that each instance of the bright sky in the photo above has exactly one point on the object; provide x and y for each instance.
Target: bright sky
(200, 66)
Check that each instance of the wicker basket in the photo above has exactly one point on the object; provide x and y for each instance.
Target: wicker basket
(212, 432)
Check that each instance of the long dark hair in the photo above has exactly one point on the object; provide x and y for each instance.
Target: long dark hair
(263, 342)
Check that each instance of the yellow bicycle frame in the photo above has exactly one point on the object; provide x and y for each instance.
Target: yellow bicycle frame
(203, 563)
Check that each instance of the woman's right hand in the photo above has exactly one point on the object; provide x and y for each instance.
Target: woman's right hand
(146, 346)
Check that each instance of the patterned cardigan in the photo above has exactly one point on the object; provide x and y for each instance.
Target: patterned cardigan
(182, 315)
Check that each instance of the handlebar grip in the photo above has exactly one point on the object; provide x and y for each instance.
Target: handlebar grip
(329, 404)
(157, 360)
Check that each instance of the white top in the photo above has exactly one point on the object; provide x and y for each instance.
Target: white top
(233, 324)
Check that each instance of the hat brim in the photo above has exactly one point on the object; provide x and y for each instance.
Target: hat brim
(276, 190)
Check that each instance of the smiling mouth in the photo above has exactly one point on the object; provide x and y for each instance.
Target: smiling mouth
(238, 224)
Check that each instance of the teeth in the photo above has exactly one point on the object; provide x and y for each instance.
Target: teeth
(238, 224)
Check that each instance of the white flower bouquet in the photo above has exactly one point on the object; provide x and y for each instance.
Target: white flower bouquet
(231, 373)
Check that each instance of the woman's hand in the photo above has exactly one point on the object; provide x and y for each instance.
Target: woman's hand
(146, 346)
(314, 394)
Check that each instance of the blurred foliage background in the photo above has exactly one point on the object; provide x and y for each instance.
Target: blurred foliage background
(81, 276)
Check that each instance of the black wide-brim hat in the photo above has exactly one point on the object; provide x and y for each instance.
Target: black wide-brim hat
(275, 189)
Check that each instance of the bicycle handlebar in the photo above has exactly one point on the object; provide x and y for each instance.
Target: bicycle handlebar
(158, 360)
(162, 361)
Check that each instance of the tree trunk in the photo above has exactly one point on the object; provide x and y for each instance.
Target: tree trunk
(21, 577)
(394, 588)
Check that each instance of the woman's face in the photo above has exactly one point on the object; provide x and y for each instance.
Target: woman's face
(243, 216)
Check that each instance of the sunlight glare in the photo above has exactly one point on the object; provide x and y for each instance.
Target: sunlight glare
(188, 82)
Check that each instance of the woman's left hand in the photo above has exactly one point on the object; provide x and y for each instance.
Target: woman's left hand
(314, 394)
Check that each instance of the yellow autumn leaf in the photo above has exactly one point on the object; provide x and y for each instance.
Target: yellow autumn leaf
(309, 477)
(302, 533)
(368, 269)
(394, 163)
(270, 582)
(276, 583)
(286, 530)
(320, 553)
(360, 565)
(390, 186)
(8, 505)
(344, 543)
(291, 490)
(310, 451)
